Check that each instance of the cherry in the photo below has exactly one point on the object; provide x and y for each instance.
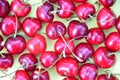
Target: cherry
(15, 45)
(67, 67)
(118, 24)
(53, 1)
(4, 8)
(105, 77)
(95, 36)
(28, 60)
(43, 12)
(77, 29)
(81, 1)
(107, 3)
(108, 21)
(37, 44)
(20, 8)
(31, 25)
(103, 58)
(8, 25)
(21, 75)
(48, 58)
(54, 28)
(36, 75)
(60, 45)
(112, 41)
(70, 78)
(6, 61)
(1, 43)
(66, 9)
(85, 10)
(88, 71)
(84, 51)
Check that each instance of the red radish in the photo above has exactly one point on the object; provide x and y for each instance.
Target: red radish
(106, 18)
(37, 44)
(20, 8)
(81, 1)
(106, 77)
(15, 45)
(9, 24)
(44, 12)
(28, 61)
(103, 58)
(85, 10)
(77, 29)
(54, 28)
(95, 36)
(84, 51)
(6, 61)
(66, 9)
(4, 8)
(31, 25)
(60, 45)
(48, 58)
(1, 43)
(37, 75)
(67, 67)
(107, 3)
(118, 24)
(21, 75)
(88, 71)
(112, 41)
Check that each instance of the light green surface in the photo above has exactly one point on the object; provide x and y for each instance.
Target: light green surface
(53, 75)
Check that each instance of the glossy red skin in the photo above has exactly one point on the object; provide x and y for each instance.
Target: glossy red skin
(84, 10)
(67, 67)
(15, 45)
(106, 18)
(1, 40)
(43, 13)
(6, 61)
(28, 60)
(95, 36)
(21, 75)
(20, 8)
(84, 51)
(88, 71)
(36, 44)
(105, 77)
(103, 59)
(70, 78)
(81, 1)
(112, 41)
(53, 1)
(31, 25)
(67, 6)
(77, 29)
(4, 8)
(8, 25)
(117, 24)
(53, 28)
(43, 76)
(107, 3)
(60, 45)
(48, 58)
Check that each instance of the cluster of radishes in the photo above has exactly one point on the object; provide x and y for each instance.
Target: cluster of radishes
(69, 59)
